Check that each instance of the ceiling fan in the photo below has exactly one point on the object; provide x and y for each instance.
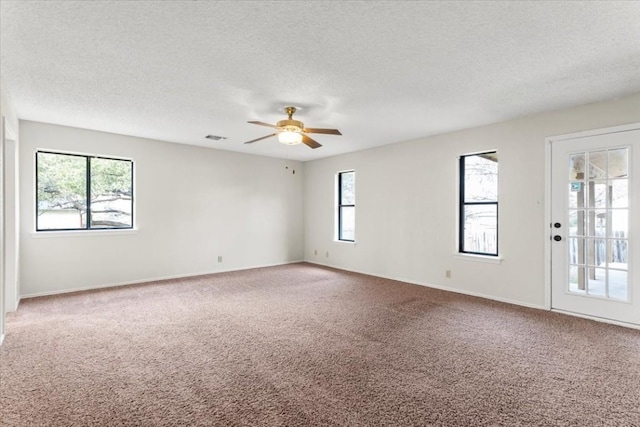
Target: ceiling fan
(292, 132)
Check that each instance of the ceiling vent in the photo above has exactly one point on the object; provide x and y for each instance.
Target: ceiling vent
(215, 137)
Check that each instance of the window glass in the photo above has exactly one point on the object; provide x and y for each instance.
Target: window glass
(347, 193)
(481, 178)
(479, 204)
(111, 193)
(62, 191)
(76, 192)
(480, 229)
(348, 221)
(346, 206)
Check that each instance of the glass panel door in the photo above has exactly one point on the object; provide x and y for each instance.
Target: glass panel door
(594, 248)
(598, 229)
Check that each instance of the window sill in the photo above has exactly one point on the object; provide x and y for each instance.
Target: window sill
(479, 258)
(83, 233)
(345, 242)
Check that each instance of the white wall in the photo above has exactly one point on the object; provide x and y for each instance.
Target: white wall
(406, 204)
(192, 204)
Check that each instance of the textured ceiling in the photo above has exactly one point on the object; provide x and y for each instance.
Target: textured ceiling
(380, 71)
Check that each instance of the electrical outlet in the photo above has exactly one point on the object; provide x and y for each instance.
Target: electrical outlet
(447, 274)
(219, 258)
(315, 252)
(327, 254)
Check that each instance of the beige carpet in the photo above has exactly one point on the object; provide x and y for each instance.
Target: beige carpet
(302, 345)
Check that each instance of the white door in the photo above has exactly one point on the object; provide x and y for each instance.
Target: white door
(595, 225)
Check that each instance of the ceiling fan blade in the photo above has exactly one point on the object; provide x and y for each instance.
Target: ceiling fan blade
(258, 139)
(262, 124)
(325, 131)
(310, 142)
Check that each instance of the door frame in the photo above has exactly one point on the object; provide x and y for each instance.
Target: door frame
(547, 213)
(11, 218)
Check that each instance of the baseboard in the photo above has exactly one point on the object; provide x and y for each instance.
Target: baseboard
(152, 279)
(439, 287)
(597, 319)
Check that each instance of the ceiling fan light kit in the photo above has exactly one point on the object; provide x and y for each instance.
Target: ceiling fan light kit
(290, 137)
(293, 132)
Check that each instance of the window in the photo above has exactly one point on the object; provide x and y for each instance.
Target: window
(75, 192)
(346, 206)
(479, 204)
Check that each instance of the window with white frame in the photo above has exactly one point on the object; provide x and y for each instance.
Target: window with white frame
(478, 228)
(81, 192)
(346, 206)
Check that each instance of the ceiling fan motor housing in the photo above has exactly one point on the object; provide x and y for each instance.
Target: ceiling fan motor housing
(289, 125)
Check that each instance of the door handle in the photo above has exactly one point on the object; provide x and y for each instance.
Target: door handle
(557, 238)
